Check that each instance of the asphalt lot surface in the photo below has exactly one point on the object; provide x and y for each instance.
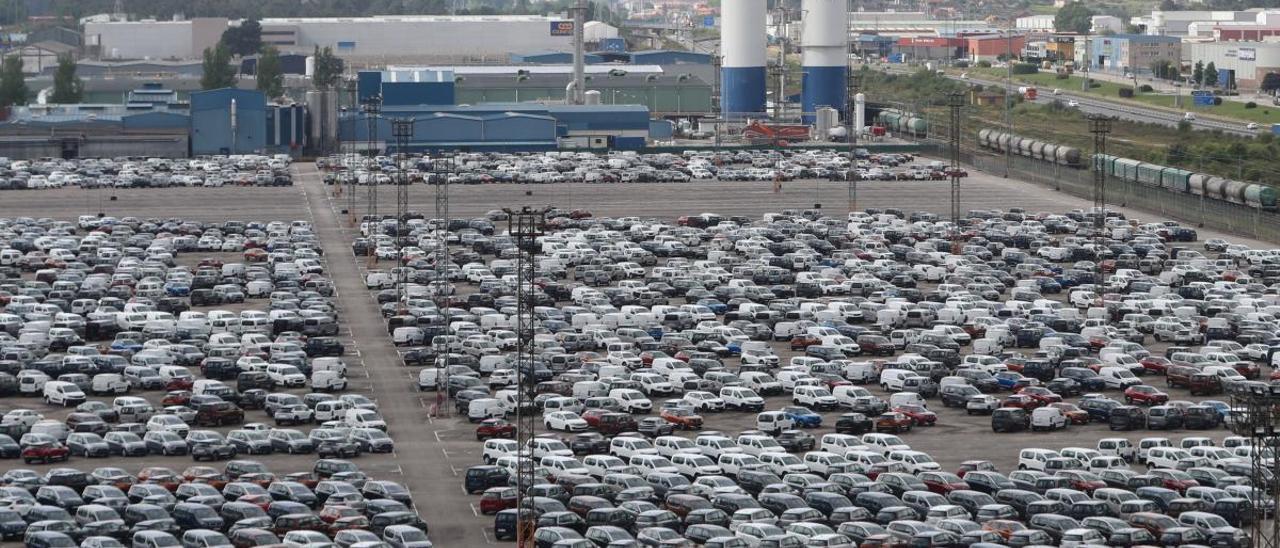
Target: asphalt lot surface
(433, 451)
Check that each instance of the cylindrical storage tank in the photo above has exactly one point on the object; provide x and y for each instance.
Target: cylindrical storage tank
(1024, 147)
(1196, 183)
(1233, 191)
(1260, 196)
(310, 66)
(1068, 156)
(1051, 152)
(1038, 148)
(742, 49)
(1214, 187)
(825, 47)
(1004, 141)
(826, 119)
(917, 126)
(859, 111)
(591, 97)
(984, 138)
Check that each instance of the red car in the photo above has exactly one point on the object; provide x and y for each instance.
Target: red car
(495, 428)
(1074, 414)
(918, 414)
(1249, 370)
(1021, 401)
(943, 482)
(177, 397)
(497, 499)
(683, 418)
(332, 513)
(592, 416)
(1155, 364)
(975, 466)
(45, 453)
(1145, 394)
(1041, 394)
(893, 422)
(801, 342)
(1083, 481)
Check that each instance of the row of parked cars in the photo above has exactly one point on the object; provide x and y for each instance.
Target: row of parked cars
(144, 172)
(629, 167)
(241, 504)
(872, 325)
(126, 338)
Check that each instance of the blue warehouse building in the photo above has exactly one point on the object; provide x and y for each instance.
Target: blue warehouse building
(427, 97)
(238, 121)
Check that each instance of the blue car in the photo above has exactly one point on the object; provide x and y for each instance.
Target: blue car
(803, 417)
(1220, 406)
(177, 289)
(128, 346)
(1009, 379)
(715, 306)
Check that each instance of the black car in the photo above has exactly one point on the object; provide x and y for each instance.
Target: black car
(655, 426)
(589, 443)
(324, 346)
(794, 441)
(854, 423)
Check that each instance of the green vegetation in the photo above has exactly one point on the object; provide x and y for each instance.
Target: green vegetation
(218, 72)
(67, 87)
(245, 39)
(1249, 159)
(13, 85)
(270, 75)
(328, 69)
(1111, 91)
(1074, 17)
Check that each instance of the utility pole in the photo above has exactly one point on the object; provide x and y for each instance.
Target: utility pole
(525, 226)
(1008, 98)
(1084, 86)
(1256, 419)
(781, 67)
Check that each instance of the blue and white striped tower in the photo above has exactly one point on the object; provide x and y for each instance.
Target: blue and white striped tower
(825, 45)
(742, 47)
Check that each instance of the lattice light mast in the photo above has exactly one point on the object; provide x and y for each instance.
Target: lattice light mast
(351, 156)
(441, 170)
(955, 101)
(402, 130)
(372, 112)
(1255, 413)
(525, 226)
(1099, 126)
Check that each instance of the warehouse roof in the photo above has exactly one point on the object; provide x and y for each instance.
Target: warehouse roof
(593, 80)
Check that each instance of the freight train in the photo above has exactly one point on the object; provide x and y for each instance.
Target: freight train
(1039, 150)
(1181, 180)
(1134, 171)
(902, 123)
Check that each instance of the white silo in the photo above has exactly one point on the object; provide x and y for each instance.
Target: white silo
(859, 112)
(742, 47)
(825, 46)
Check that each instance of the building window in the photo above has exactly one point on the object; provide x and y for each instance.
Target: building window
(346, 46)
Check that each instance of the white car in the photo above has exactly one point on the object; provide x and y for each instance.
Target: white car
(1251, 125)
(565, 421)
(168, 423)
(704, 401)
(1073, 103)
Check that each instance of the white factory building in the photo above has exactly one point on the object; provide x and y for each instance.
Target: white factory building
(360, 40)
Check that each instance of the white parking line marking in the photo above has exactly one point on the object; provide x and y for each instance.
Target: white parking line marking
(474, 510)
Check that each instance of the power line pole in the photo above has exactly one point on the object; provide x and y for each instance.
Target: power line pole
(852, 177)
(525, 226)
(351, 151)
(1008, 98)
(1256, 418)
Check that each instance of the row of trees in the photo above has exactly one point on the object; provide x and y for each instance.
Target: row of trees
(246, 39)
(67, 87)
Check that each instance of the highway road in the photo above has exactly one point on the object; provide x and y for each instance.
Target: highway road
(1093, 105)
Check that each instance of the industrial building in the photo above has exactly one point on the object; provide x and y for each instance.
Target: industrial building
(992, 47)
(507, 127)
(154, 40)
(925, 48)
(362, 41)
(663, 92)
(1249, 62)
(1127, 53)
(1184, 24)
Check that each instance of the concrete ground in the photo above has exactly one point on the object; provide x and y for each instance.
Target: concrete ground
(433, 451)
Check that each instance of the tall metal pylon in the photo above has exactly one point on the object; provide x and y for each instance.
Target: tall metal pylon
(525, 225)
(351, 158)
(441, 170)
(402, 130)
(372, 112)
(955, 101)
(852, 177)
(1099, 126)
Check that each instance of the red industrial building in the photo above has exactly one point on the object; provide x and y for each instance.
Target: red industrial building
(992, 46)
(1244, 33)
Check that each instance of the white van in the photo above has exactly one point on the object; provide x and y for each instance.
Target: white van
(774, 422)
(484, 408)
(1118, 377)
(900, 399)
(63, 393)
(109, 383)
(1048, 418)
(1034, 459)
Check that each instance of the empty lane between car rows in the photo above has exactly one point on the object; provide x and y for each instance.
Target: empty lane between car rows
(421, 452)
